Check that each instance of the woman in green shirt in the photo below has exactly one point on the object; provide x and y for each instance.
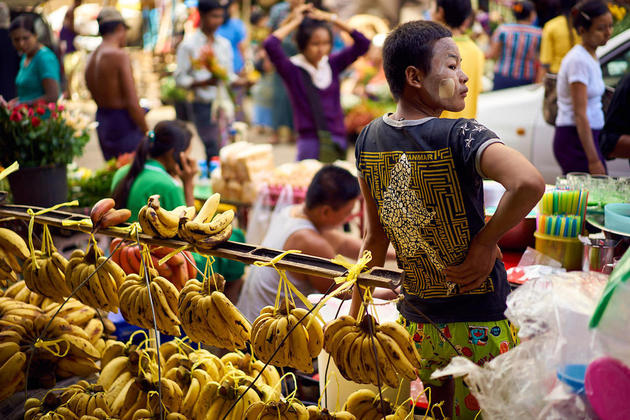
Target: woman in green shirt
(163, 165)
(39, 76)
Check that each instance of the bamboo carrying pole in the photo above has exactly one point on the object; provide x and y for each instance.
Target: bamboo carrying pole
(243, 252)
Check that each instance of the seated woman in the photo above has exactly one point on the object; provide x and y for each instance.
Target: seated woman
(39, 76)
(163, 165)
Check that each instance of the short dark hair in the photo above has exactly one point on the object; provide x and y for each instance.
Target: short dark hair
(455, 11)
(522, 9)
(25, 21)
(333, 186)
(305, 32)
(584, 12)
(410, 44)
(109, 27)
(205, 6)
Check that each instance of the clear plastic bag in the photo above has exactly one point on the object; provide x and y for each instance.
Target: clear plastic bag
(263, 210)
(552, 314)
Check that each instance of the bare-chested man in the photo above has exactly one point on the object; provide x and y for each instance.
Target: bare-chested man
(121, 122)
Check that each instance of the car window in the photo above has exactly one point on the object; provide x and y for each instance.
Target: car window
(615, 66)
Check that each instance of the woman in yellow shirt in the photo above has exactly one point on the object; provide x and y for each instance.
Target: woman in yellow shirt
(558, 37)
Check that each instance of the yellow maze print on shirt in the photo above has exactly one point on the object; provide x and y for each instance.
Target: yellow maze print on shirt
(422, 210)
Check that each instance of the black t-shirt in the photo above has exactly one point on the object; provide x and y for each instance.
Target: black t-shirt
(425, 178)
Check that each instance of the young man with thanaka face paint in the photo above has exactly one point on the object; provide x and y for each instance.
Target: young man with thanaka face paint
(421, 179)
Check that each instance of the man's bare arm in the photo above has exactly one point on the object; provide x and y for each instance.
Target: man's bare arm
(128, 86)
(312, 243)
(348, 245)
(524, 186)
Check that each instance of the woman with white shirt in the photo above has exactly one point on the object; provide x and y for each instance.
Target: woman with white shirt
(580, 88)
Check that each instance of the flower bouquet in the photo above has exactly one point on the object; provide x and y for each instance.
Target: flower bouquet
(43, 138)
(41, 134)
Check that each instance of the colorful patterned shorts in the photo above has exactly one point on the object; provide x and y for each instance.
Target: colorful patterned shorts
(478, 341)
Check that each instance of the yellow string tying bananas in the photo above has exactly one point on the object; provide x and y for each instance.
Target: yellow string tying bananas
(9, 170)
(209, 267)
(52, 346)
(131, 337)
(291, 396)
(181, 343)
(290, 290)
(151, 393)
(323, 393)
(349, 280)
(31, 222)
(173, 253)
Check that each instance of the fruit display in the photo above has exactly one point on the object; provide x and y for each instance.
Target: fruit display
(178, 269)
(103, 214)
(136, 303)
(396, 355)
(103, 277)
(208, 228)
(44, 270)
(303, 344)
(12, 250)
(209, 317)
(365, 404)
(46, 336)
(161, 223)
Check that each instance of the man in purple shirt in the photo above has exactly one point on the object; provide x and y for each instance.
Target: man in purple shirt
(312, 80)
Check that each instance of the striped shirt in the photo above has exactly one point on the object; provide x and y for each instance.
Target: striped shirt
(520, 46)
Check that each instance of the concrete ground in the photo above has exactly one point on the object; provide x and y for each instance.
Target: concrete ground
(93, 159)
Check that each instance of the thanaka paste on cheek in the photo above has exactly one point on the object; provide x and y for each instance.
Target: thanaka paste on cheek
(447, 88)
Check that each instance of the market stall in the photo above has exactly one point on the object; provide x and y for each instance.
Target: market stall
(169, 379)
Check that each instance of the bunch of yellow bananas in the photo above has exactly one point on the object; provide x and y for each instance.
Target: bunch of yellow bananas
(76, 313)
(316, 413)
(105, 277)
(44, 273)
(211, 385)
(158, 222)
(302, 345)
(12, 249)
(251, 367)
(84, 398)
(130, 381)
(50, 407)
(353, 346)
(12, 359)
(58, 348)
(97, 414)
(280, 410)
(207, 229)
(148, 414)
(216, 399)
(365, 404)
(19, 291)
(135, 302)
(209, 317)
